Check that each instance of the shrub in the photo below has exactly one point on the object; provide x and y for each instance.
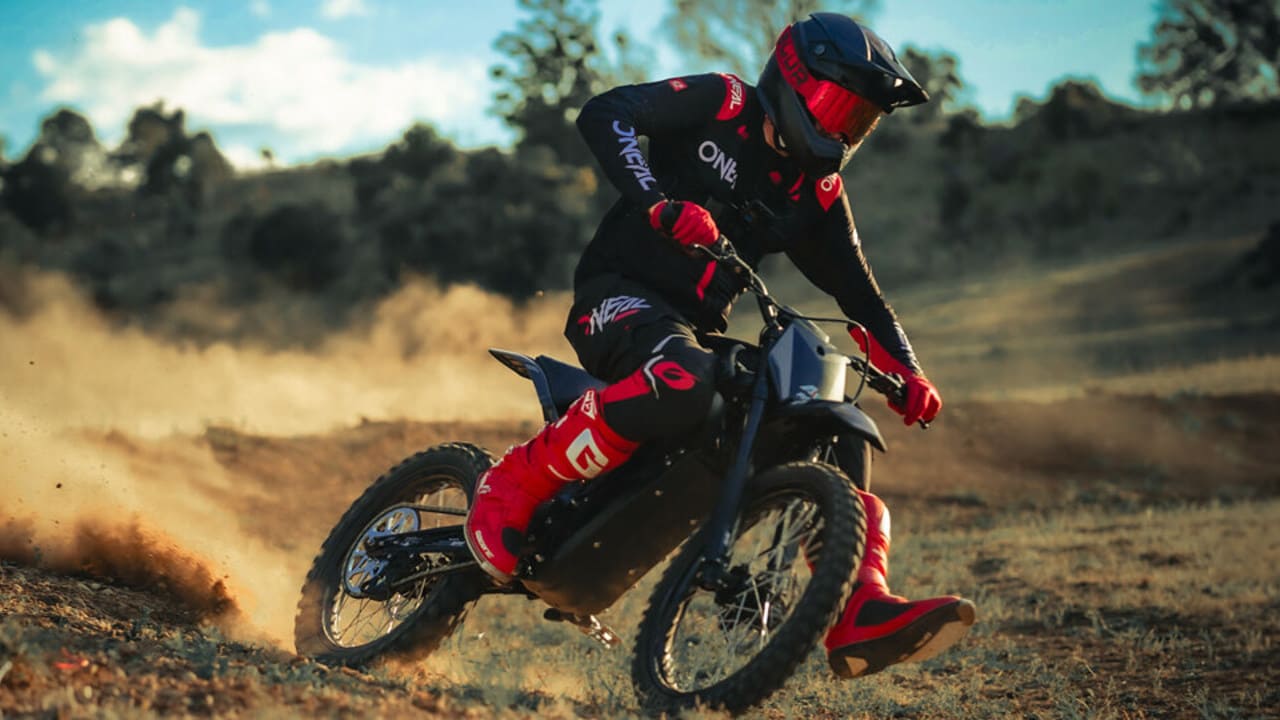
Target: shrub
(300, 245)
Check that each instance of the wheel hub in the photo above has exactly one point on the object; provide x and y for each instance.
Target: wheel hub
(360, 571)
(750, 602)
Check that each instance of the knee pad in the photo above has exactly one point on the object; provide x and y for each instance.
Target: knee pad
(685, 390)
(670, 394)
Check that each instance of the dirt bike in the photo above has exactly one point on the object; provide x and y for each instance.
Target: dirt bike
(759, 508)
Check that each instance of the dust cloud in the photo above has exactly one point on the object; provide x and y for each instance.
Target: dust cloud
(100, 472)
(422, 357)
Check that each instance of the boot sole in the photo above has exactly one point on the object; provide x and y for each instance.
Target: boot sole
(488, 567)
(929, 635)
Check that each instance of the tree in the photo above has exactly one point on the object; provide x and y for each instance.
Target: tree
(939, 74)
(39, 190)
(1075, 108)
(1208, 52)
(171, 160)
(421, 152)
(556, 67)
(738, 35)
(302, 246)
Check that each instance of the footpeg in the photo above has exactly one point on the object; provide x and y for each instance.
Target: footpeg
(588, 625)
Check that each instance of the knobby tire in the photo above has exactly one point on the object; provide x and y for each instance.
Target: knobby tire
(841, 542)
(447, 600)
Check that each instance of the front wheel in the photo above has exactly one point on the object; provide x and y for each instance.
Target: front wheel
(800, 532)
(339, 623)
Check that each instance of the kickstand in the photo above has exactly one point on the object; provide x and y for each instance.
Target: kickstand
(589, 625)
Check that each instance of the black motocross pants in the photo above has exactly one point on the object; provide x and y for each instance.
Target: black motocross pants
(661, 379)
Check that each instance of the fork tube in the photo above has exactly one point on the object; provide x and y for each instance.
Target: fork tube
(724, 517)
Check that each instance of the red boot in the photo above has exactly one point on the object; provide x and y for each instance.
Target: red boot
(877, 629)
(578, 446)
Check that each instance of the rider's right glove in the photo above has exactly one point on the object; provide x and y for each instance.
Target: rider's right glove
(685, 222)
(923, 401)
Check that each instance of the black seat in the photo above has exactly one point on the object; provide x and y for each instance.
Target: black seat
(567, 382)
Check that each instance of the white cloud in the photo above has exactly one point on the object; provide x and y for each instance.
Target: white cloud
(338, 9)
(260, 8)
(298, 85)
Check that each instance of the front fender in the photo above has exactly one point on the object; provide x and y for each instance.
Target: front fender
(820, 418)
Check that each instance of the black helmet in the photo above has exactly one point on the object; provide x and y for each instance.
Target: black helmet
(825, 86)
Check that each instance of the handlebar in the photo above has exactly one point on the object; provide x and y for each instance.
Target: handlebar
(887, 384)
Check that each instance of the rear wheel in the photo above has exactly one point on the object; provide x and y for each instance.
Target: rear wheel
(800, 533)
(339, 623)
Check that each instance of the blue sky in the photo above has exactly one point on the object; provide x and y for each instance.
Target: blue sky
(315, 78)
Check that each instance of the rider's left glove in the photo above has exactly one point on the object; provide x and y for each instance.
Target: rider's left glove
(923, 401)
(685, 222)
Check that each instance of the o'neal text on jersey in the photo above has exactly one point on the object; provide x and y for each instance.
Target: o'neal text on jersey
(631, 153)
(614, 308)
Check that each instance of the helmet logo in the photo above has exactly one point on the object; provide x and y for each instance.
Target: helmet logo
(789, 61)
(711, 153)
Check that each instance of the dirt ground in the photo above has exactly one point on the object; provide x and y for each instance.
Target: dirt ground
(1111, 512)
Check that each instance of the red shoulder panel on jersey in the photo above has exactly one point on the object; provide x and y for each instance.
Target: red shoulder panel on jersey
(735, 97)
(828, 189)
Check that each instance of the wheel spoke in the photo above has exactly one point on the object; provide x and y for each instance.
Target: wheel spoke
(713, 640)
(354, 620)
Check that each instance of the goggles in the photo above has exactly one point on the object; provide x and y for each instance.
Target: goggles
(838, 111)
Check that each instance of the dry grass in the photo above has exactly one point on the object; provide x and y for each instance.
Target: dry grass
(1158, 613)
(1161, 320)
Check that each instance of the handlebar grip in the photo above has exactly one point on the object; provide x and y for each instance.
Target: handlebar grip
(892, 387)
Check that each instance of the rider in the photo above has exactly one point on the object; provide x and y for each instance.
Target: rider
(760, 165)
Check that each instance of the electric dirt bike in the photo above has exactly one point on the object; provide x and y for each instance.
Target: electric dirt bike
(760, 508)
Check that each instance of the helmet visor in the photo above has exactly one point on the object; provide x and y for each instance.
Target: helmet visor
(838, 111)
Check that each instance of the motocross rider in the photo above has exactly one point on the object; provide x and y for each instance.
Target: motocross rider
(760, 165)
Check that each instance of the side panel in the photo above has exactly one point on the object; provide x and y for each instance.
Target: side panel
(590, 569)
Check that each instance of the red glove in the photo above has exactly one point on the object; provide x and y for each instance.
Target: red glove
(923, 400)
(685, 222)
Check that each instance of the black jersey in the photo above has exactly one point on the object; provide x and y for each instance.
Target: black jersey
(705, 145)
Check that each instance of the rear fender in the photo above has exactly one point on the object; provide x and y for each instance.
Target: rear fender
(527, 367)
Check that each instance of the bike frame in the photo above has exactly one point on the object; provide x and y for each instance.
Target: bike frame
(721, 525)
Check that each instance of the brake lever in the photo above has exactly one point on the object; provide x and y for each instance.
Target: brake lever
(725, 254)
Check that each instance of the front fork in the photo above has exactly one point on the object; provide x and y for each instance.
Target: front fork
(852, 454)
(713, 575)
